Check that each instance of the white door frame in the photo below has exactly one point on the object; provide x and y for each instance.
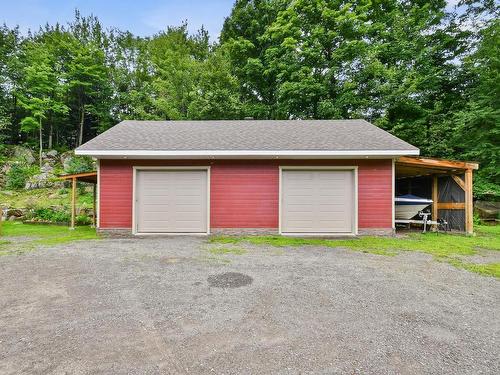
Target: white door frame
(353, 168)
(168, 168)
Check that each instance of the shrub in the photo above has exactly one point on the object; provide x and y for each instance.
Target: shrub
(79, 164)
(49, 214)
(82, 220)
(17, 176)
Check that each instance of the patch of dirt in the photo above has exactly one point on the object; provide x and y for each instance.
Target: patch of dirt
(229, 280)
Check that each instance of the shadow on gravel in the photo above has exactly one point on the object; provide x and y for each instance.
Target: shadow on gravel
(229, 280)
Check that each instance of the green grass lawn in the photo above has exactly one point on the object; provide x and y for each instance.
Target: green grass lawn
(17, 237)
(453, 248)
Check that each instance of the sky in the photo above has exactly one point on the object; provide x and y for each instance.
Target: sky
(141, 17)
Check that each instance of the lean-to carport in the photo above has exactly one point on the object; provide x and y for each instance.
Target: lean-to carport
(447, 182)
(89, 177)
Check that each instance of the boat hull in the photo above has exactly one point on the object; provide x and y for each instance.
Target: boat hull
(407, 211)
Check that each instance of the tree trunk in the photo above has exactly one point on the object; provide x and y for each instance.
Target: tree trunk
(82, 118)
(14, 129)
(40, 139)
(51, 130)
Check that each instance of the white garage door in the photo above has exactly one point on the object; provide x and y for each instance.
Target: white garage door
(171, 201)
(317, 201)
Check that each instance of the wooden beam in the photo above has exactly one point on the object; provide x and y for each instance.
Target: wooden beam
(469, 223)
(435, 196)
(459, 181)
(73, 202)
(451, 206)
(436, 163)
(77, 175)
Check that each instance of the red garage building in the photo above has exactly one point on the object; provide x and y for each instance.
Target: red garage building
(291, 177)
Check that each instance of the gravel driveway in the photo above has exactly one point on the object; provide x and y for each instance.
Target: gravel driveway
(169, 305)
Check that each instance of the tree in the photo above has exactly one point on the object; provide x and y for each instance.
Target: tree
(87, 82)
(10, 73)
(477, 124)
(191, 80)
(243, 38)
(41, 94)
(216, 92)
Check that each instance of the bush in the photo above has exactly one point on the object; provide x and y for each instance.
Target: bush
(49, 214)
(79, 164)
(83, 220)
(17, 176)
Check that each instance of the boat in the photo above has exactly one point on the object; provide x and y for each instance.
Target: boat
(408, 206)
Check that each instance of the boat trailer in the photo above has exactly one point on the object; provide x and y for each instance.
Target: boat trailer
(425, 221)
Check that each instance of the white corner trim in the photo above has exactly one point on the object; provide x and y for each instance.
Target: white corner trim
(98, 195)
(167, 168)
(243, 153)
(353, 168)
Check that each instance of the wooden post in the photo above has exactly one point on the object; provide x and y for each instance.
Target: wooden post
(73, 202)
(435, 195)
(469, 223)
(94, 206)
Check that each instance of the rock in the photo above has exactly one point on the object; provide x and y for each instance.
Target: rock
(39, 181)
(487, 210)
(87, 211)
(52, 153)
(5, 168)
(15, 212)
(24, 155)
(46, 168)
(12, 218)
(66, 160)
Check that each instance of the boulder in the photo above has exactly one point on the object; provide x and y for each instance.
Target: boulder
(487, 210)
(66, 160)
(47, 168)
(15, 212)
(24, 155)
(52, 153)
(41, 180)
(87, 211)
(5, 168)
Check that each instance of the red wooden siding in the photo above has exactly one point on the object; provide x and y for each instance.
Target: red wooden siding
(244, 194)
(115, 194)
(375, 194)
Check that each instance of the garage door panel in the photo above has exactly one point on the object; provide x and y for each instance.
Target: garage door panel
(169, 201)
(317, 201)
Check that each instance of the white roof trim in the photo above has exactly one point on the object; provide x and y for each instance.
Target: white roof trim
(242, 153)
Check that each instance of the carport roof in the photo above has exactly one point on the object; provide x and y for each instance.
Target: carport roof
(246, 138)
(421, 166)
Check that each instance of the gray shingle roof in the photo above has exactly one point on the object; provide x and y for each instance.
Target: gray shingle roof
(239, 135)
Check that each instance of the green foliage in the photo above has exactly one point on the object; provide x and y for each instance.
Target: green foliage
(83, 220)
(44, 198)
(79, 164)
(50, 214)
(426, 74)
(477, 129)
(18, 175)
